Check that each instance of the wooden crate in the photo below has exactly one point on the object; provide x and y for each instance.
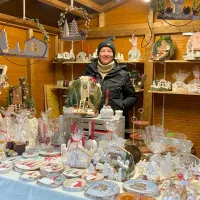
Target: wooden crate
(99, 125)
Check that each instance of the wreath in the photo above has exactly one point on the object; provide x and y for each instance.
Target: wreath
(41, 28)
(61, 22)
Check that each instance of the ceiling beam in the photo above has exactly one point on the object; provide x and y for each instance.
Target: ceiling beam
(98, 8)
(142, 29)
(111, 5)
(90, 4)
(8, 20)
(62, 6)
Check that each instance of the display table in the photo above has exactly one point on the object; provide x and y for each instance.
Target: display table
(11, 188)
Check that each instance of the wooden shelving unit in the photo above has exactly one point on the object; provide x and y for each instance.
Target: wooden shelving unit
(61, 88)
(70, 62)
(171, 92)
(133, 62)
(141, 90)
(86, 62)
(175, 61)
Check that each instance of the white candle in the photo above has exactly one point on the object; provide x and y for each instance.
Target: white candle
(72, 3)
(24, 8)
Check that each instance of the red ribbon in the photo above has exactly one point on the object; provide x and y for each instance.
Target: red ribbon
(93, 79)
(3, 131)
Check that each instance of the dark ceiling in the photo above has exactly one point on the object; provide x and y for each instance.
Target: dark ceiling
(46, 14)
(90, 11)
(101, 2)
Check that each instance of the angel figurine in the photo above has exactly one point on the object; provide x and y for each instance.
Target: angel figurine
(134, 54)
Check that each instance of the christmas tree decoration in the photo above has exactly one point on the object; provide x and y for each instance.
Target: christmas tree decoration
(3, 42)
(72, 33)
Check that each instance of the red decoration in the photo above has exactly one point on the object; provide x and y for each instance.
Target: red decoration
(180, 176)
(92, 129)
(107, 94)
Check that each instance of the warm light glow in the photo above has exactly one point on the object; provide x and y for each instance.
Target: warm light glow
(147, 1)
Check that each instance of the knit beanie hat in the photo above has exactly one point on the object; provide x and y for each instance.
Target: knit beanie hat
(106, 43)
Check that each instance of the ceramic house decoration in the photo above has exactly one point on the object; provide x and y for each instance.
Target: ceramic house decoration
(65, 56)
(72, 34)
(134, 54)
(119, 158)
(193, 47)
(35, 48)
(82, 57)
(161, 85)
(86, 93)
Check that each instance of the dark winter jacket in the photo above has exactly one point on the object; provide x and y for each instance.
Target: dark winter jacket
(122, 94)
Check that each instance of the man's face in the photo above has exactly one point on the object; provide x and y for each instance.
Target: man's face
(106, 55)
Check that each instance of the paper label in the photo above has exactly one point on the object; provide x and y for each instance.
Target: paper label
(184, 182)
(91, 177)
(22, 166)
(46, 181)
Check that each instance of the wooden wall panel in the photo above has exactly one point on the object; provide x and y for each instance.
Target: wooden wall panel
(44, 74)
(129, 12)
(14, 71)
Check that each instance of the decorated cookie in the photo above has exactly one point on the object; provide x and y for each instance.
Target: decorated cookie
(26, 165)
(30, 176)
(91, 177)
(52, 167)
(74, 185)
(73, 173)
(51, 180)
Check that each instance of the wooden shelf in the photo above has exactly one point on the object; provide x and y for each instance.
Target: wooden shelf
(23, 56)
(70, 62)
(134, 62)
(86, 62)
(141, 90)
(61, 88)
(175, 61)
(171, 92)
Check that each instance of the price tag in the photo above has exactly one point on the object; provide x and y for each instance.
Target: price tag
(184, 182)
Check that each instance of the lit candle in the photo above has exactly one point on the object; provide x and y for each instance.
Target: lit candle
(72, 3)
(81, 45)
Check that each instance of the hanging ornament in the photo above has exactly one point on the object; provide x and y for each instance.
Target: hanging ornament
(72, 33)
